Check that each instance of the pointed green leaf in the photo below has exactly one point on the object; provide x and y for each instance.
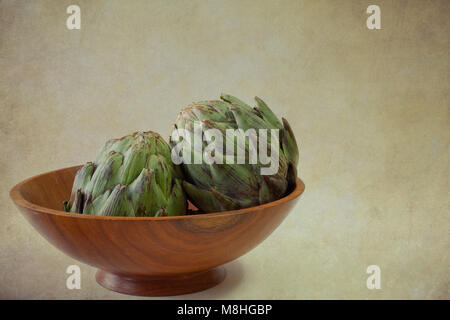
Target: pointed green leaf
(140, 193)
(94, 207)
(209, 201)
(289, 144)
(247, 119)
(118, 204)
(233, 100)
(268, 114)
(134, 160)
(66, 206)
(163, 174)
(291, 177)
(82, 178)
(106, 176)
(177, 202)
(235, 180)
(78, 202)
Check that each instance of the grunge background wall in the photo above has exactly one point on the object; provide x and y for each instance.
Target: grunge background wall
(370, 109)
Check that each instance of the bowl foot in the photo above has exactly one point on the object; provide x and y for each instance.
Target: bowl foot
(160, 286)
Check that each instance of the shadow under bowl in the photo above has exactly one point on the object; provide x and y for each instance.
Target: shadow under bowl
(148, 256)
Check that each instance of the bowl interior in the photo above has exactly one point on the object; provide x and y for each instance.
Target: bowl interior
(49, 190)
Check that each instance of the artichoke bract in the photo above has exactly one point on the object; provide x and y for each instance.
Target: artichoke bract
(132, 176)
(228, 185)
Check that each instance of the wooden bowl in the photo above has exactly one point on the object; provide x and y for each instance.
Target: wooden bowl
(146, 255)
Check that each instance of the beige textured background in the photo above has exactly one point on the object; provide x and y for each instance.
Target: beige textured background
(370, 110)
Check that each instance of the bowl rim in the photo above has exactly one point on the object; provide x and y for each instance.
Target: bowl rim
(21, 202)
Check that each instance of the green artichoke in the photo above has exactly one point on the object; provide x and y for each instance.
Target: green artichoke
(221, 186)
(131, 176)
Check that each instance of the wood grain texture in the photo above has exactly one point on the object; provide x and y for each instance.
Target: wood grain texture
(147, 248)
(161, 286)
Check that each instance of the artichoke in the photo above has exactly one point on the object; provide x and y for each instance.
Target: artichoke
(131, 176)
(224, 185)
